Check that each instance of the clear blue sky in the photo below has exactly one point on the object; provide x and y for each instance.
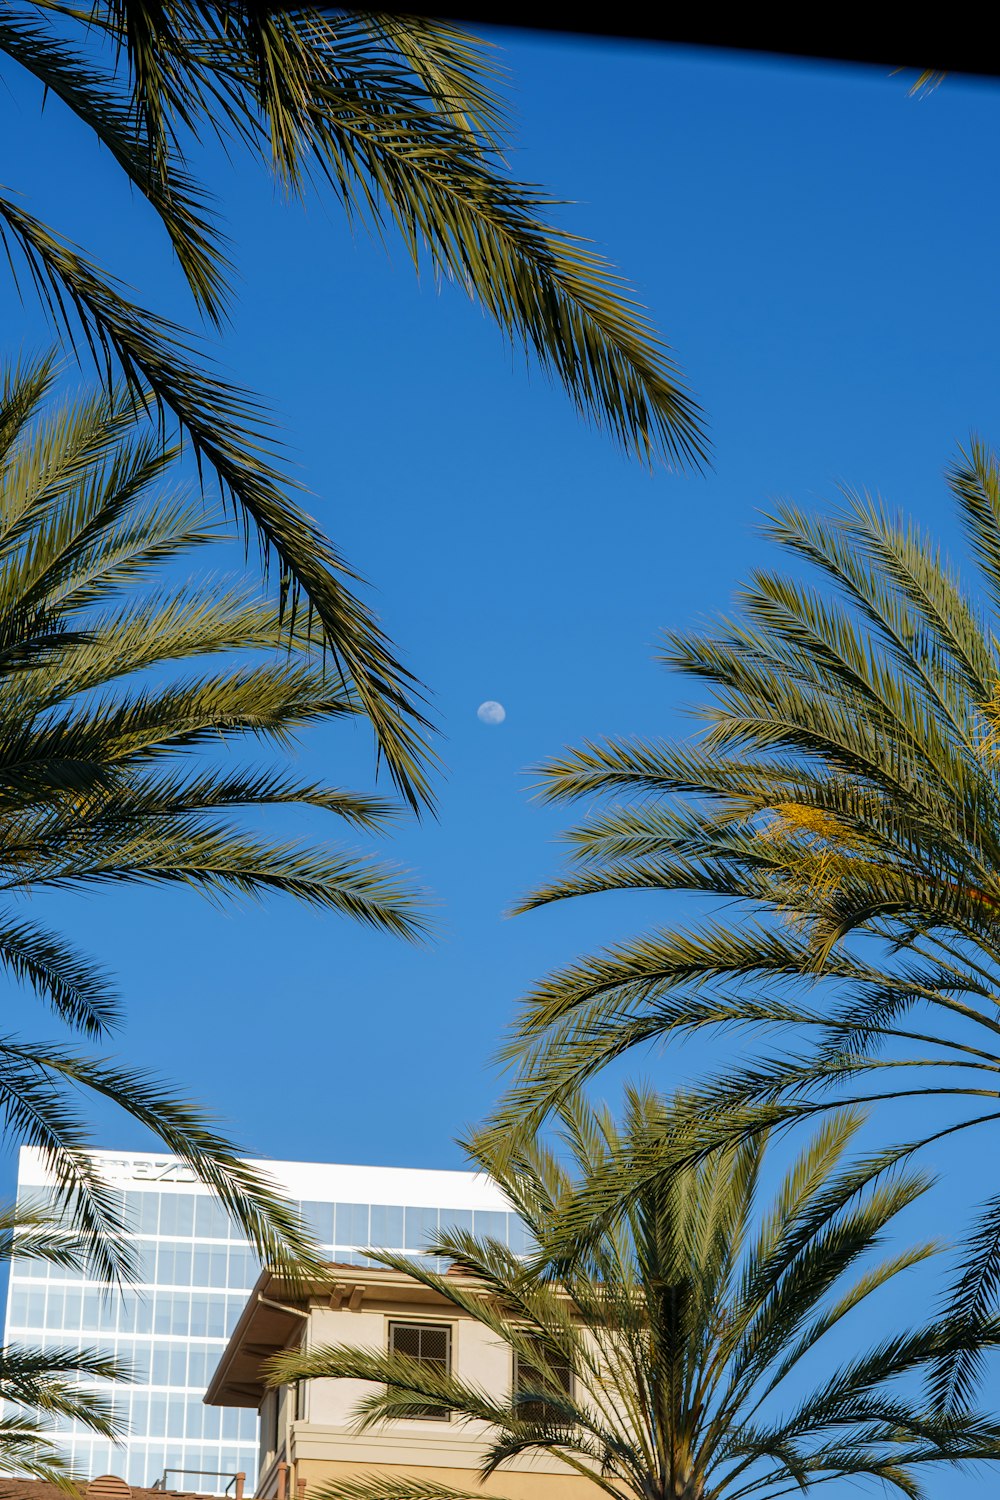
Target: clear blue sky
(820, 251)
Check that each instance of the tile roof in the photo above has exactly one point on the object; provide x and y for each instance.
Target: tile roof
(13, 1488)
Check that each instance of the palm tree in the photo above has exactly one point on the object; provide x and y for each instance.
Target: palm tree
(844, 806)
(108, 772)
(399, 119)
(668, 1360)
(38, 1387)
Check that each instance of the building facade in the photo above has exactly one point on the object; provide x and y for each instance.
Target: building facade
(307, 1432)
(196, 1273)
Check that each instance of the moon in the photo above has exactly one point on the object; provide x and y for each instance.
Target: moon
(490, 712)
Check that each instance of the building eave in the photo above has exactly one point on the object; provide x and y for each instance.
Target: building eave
(277, 1308)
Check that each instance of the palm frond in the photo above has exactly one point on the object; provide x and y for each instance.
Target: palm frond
(841, 807)
(104, 106)
(105, 777)
(398, 117)
(213, 417)
(685, 1308)
(972, 1294)
(75, 987)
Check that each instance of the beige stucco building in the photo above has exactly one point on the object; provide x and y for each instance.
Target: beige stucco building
(307, 1433)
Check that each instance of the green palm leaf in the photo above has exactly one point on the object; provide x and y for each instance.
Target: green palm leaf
(843, 805)
(694, 1318)
(399, 118)
(40, 1387)
(108, 777)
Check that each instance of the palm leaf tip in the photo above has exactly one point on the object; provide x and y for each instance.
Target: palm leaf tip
(109, 779)
(840, 811)
(671, 1321)
(401, 118)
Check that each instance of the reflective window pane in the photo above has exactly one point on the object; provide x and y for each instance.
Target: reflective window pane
(200, 1311)
(457, 1220)
(519, 1236)
(218, 1265)
(177, 1213)
(244, 1267)
(149, 1213)
(147, 1261)
(133, 1211)
(318, 1219)
(387, 1227)
(211, 1222)
(491, 1226)
(55, 1307)
(174, 1264)
(421, 1226)
(352, 1224)
(73, 1308)
(160, 1365)
(176, 1413)
(109, 1313)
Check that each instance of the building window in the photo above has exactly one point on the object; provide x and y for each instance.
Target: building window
(430, 1343)
(300, 1401)
(529, 1380)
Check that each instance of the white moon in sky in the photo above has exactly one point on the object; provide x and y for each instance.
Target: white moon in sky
(490, 712)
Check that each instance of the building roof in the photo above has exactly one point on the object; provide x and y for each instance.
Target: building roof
(276, 1310)
(327, 1182)
(12, 1488)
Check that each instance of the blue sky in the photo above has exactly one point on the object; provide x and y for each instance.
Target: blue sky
(819, 250)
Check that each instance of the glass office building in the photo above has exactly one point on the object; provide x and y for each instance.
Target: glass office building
(196, 1272)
